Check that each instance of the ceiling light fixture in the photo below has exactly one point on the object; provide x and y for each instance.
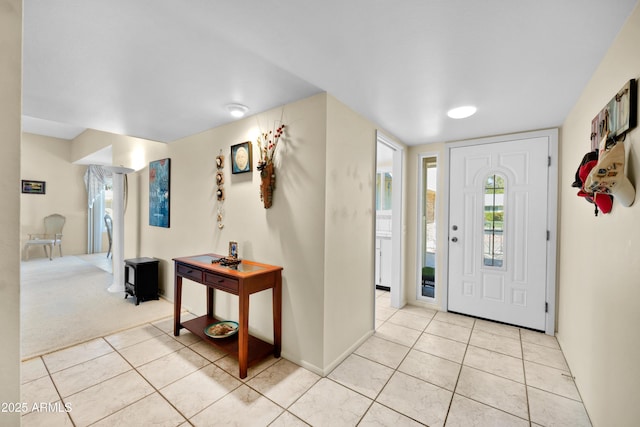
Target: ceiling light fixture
(462, 112)
(237, 110)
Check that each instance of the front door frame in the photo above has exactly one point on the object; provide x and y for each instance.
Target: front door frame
(397, 256)
(552, 214)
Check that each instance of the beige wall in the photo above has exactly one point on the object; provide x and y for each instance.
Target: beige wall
(131, 152)
(324, 194)
(88, 142)
(127, 151)
(599, 277)
(325, 160)
(52, 160)
(49, 159)
(349, 230)
(10, 111)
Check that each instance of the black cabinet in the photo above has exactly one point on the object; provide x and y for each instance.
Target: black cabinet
(141, 278)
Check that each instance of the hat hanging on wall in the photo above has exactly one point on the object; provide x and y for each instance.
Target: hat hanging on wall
(603, 202)
(608, 175)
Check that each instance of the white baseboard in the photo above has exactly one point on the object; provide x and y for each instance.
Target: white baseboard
(327, 370)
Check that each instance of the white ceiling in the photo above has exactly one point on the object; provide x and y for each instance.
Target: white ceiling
(165, 69)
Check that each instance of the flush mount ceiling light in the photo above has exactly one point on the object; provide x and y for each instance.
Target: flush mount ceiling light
(237, 110)
(462, 112)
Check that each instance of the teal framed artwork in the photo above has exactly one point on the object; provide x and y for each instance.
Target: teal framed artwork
(241, 157)
(159, 192)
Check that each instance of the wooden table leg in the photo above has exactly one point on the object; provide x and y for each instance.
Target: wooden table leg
(243, 333)
(209, 301)
(277, 314)
(177, 302)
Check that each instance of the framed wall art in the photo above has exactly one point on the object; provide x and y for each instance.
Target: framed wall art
(159, 192)
(241, 157)
(618, 116)
(33, 187)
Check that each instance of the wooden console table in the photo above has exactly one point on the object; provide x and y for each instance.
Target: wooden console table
(243, 280)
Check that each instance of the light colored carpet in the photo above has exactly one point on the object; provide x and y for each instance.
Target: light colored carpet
(65, 302)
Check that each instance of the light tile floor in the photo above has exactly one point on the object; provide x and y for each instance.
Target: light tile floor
(421, 367)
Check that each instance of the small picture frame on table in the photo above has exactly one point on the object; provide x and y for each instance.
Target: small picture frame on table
(233, 250)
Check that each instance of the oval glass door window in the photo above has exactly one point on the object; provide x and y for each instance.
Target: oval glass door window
(493, 244)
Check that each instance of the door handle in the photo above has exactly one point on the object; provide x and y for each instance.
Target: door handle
(454, 239)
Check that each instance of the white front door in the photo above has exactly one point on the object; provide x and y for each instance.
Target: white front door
(498, 231)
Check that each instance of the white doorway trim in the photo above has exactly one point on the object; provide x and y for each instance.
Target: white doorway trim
(552, 213)
(397, 291)
(440, 291)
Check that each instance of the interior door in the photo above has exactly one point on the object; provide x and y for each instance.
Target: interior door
(498, 231)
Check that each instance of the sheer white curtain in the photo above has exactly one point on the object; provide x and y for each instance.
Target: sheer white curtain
(95, 180)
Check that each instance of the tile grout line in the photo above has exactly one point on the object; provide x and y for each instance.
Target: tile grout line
(455, 387)
(133, 368)
(524, 372)
(490, 373)
(242, 382)
(57, 391)
(468, 344)
(156, 390)
(395, 370)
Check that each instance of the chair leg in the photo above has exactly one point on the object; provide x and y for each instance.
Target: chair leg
(60, 249)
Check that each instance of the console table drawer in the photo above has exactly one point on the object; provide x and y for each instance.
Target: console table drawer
(190, 273)
(222, 282)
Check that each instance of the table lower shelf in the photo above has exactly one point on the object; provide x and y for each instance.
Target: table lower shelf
(258, 349)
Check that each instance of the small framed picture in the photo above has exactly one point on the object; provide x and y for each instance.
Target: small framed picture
(625, 106)
(241, 157)
(33, 187)
(233, 249)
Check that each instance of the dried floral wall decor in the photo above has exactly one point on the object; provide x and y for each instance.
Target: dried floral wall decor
(268, 142)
